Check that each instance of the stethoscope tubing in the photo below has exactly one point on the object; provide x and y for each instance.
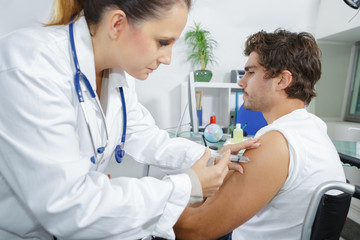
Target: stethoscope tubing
(125, 115)
(119, 150)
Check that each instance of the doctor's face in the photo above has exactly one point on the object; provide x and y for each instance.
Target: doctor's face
(142, 48)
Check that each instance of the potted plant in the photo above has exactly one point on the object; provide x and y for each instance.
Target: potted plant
(202, 45)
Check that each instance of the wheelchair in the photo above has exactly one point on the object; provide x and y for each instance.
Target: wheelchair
(326, 214)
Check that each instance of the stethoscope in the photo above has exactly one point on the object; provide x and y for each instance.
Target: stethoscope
(119, 149)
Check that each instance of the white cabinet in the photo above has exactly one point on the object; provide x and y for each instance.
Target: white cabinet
(218, 98)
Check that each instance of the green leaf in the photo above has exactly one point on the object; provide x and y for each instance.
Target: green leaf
(201, 44)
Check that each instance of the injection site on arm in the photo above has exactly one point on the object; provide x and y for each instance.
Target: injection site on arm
(233, 158)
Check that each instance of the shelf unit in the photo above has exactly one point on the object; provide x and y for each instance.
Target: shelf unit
(218, 98)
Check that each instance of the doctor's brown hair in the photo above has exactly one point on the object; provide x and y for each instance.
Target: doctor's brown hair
(136, 11)
(295, 52)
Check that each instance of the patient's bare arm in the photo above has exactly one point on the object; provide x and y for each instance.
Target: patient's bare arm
(242, 195)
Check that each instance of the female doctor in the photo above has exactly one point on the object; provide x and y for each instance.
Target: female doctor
(68, 108)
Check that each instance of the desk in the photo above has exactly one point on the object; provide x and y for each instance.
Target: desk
(349, 152)
(198, 138)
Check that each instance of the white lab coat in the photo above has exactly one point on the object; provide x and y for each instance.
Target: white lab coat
(48, 186)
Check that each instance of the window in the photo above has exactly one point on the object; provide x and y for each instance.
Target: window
(353, 103)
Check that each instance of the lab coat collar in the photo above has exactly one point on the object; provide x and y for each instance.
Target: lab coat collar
(117, 78)
(84, 51)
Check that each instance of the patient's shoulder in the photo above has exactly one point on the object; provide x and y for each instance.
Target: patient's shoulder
(263, 177)
(274, 140)
(270, 161)
(273, 146)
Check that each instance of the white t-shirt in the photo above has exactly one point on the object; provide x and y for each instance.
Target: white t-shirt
(313, 160)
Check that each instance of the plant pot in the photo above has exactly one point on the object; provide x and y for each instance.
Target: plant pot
(202, 75)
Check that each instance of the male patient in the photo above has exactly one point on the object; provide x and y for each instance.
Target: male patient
(270, 199)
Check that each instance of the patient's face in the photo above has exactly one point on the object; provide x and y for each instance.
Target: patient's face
(257, 90)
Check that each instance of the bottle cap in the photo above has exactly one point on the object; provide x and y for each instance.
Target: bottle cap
(238, 125)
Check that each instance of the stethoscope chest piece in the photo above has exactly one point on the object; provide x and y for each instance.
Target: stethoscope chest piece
(119, 154)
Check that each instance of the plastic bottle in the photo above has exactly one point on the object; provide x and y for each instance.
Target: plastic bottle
(213, 118)
(238, 134)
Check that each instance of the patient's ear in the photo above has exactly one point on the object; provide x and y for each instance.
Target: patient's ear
(285, 79)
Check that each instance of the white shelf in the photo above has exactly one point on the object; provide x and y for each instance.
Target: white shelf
(216, 85)
(218, 98)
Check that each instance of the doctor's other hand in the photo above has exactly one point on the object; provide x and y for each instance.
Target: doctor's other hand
(234, 149)
(211, 178)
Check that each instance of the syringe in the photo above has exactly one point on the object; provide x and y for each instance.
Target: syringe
(233, 158)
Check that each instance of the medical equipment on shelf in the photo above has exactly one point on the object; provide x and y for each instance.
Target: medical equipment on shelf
(119, 149)
(233, 158)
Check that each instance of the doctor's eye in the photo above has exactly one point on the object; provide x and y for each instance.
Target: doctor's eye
(163, 43)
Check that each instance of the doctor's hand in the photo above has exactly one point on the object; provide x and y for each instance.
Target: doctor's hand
(234, 149)
(211, 178)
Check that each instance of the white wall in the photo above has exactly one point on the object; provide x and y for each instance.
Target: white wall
(332, 86)
(17, 14)
(338, 28)
(336, 18)
(230, 22)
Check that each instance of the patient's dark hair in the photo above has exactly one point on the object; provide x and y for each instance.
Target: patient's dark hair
(295, 52)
